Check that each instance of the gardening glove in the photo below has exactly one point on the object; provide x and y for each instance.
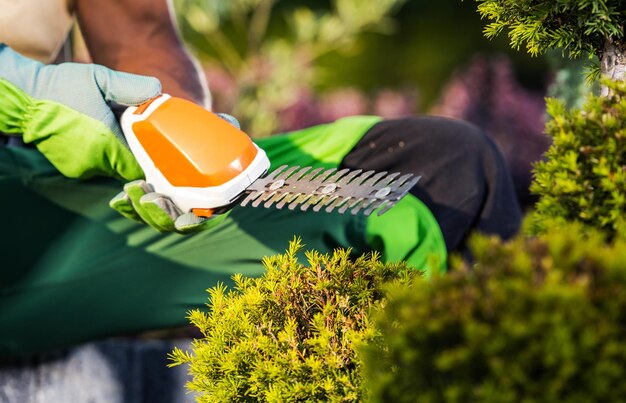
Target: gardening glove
(138, 201)
(64, 110)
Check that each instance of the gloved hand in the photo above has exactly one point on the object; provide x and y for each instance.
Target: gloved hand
(58, 131)
(67, 115)
(138, 201)
(77, 145)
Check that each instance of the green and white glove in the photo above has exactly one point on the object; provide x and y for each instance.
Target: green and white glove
(76, 144)
(87, 88)
(64, 110)
(139, 202)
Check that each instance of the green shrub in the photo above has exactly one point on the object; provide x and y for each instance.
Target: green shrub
(289, 335)
(592, 28)
(584, 176)
(534, 320)
(575, 26)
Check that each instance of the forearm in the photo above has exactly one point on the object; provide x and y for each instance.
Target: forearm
(139, 37)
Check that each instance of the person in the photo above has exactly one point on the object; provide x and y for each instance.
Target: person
(73, 269)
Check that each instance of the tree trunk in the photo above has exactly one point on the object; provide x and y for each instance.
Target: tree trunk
(613, 62)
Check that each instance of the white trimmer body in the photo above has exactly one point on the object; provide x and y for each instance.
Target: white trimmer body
(190, 154)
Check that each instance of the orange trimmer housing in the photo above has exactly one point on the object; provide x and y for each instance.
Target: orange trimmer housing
(190, 154)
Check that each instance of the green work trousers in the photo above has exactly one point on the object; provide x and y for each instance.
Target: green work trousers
(73, 270)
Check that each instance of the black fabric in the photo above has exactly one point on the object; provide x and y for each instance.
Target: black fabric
(465, 181)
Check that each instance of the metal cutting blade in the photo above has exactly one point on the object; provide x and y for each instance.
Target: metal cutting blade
(329, 190)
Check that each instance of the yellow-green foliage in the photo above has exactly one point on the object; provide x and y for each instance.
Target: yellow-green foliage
(575, 26)
(534, 320)
(289, 335)
(584, 176)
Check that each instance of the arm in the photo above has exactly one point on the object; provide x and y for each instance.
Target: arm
(139, 36)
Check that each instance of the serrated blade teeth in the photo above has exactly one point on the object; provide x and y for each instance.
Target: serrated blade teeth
(402, 186)
(337, 203)
(401, 180)
(349, 205)
(264, 196)
(299, 200)
(361, 178)
(286, 174)
(274, 199)
(385, 207)
(325, 176)
(310, 175)
(409, 184)
(389, 178)
(348, 178)
(276, 172)
(362, 205)
(313, 200)
(328, 189)
(354, 206)
(337, 175)
(251, 197)
(374, 179)
(297, 175)
(376, 204)
(288, 199)
(326, 202)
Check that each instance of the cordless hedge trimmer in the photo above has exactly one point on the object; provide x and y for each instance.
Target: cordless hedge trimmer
(204, 164)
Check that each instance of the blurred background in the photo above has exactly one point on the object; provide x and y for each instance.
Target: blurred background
(281, 65)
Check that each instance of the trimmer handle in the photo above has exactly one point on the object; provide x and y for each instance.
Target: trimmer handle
(190, 154)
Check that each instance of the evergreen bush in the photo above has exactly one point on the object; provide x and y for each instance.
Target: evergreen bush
(577, 27)
(583, 178)
(534, 320)
(289, 335)
(594, 28)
